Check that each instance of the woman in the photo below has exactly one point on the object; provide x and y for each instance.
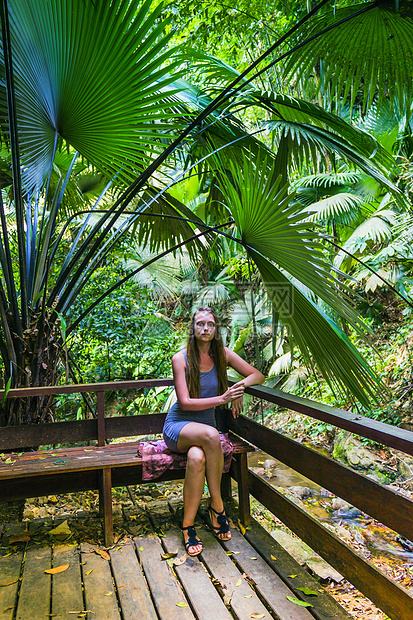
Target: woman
(200, 380)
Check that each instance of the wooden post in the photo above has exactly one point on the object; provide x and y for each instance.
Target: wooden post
(226, 490)
(105, 504)
(101, 418)
(241, 468)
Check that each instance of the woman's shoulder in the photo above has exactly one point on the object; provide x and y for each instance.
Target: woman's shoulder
(180, 357)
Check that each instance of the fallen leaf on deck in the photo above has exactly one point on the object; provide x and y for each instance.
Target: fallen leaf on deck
(248, 596)
(241, 528)
(308, 592)
(62, 531)
(57, 569)
(9, 583)
(253, 558)
(168, 556)
(89, 571)
(292, 576)
(108, 593)
(24, 537)
(227, 598)
(297, 601)
(181, 604)
(9, 461)
(179, 561)
(273, 557)
(239, 582)
(257, 615)
(104, 554)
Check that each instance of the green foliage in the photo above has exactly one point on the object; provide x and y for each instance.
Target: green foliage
(126, 337)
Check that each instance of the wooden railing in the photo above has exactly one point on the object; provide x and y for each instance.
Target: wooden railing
(377, 500)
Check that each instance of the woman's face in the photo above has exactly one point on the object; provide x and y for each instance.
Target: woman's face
(204, 326)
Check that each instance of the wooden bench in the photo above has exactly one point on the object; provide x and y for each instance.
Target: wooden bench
(100, 466)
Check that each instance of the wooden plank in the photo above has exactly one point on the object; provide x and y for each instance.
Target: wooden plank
(10, 567)
(164, 586)
(67, 595)
(100, 596)
(293, 575)
(271, 588)
(133, 591)
(24, 436)
(49, 485)
(243, 600)
(133, 426)
(377, 500)
(86, 387)
(34, 597)
(392, 436)
(389, 596)
(204, 598)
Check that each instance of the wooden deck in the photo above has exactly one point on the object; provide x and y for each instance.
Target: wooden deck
(244, 578)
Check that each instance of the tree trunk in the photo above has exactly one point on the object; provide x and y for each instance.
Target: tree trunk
(41, 355)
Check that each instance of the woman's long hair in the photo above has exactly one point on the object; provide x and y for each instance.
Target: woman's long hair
(216, 351)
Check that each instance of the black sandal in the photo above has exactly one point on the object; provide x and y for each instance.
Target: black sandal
(223, 527)
(192, 541)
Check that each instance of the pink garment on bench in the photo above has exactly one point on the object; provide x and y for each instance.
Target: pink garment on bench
(158, 458)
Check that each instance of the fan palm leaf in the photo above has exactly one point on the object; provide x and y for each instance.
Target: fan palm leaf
(94, 74)
(371, 52)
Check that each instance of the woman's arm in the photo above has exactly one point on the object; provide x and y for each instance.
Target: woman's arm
(252, 376)
(198, 404)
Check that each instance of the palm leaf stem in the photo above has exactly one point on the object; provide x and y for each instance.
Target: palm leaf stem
(50, 229)
(83, 227)
(46, 195)
(366, 266)
(7, 267)
(15, 156)
(133, 273)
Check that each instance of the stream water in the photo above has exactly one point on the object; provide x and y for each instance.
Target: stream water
(382, 543)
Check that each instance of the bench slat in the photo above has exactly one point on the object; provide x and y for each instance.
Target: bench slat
(66, 460)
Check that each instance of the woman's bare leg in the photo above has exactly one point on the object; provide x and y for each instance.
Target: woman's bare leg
(207, 438)
(193, 489)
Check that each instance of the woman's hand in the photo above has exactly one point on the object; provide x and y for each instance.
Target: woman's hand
(233, 393)
(237, 406)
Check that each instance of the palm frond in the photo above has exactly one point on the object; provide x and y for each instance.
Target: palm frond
(320, 341)
(336, 206)
(100, 93)
(161, 278)
(327, 180)
(371, 52)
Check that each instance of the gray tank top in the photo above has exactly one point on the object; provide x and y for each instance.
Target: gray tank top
(209, 388)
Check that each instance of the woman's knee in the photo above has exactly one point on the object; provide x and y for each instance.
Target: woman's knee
(212, 437)
(196, 458)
